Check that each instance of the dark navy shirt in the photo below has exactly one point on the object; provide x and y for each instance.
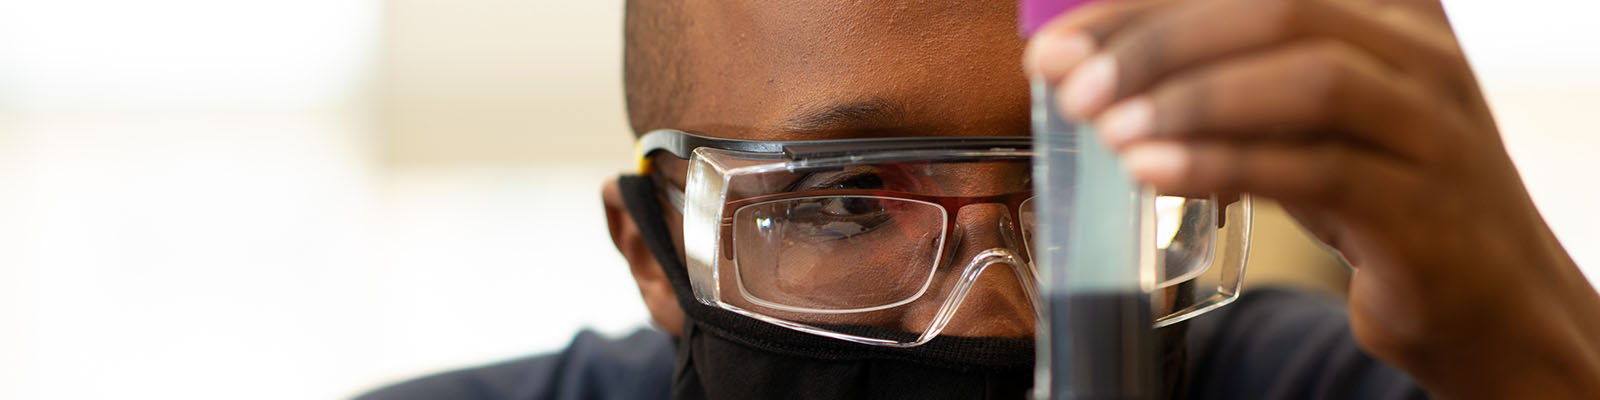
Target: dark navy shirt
(1270, 344)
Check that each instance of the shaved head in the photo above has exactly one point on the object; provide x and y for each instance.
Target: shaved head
(824, 69)
(653, 61)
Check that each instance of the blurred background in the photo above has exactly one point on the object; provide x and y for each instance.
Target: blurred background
(308, 198)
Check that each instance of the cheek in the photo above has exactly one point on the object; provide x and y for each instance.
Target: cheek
(884, 267)
(878, 268)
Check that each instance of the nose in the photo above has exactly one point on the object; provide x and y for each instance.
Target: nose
(986, 280)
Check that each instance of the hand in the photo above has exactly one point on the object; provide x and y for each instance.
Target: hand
(1364, 120)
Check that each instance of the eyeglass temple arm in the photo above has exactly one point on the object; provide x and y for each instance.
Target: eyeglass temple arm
(675, 196)
(681, 144)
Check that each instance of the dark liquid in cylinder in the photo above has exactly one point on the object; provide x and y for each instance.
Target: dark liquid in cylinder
(1102, 347)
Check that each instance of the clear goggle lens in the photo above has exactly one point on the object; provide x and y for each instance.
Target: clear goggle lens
(884, 253)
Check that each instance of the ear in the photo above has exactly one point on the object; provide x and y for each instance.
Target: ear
(653, 283)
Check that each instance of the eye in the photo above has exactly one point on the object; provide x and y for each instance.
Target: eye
(852, 206)
(852, 178)
(838, 217)
(859, 181)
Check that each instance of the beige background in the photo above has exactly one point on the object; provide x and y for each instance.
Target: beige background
(306, 198)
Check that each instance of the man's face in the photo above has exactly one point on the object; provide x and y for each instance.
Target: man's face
(834, 70)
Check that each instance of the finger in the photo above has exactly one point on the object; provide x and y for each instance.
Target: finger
(1067, 40)
(1197, 32)
(1327, 175)
(1307, 91)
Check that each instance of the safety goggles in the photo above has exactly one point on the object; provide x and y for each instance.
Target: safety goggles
(879, 240)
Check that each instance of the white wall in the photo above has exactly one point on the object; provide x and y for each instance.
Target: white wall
(1538, 60)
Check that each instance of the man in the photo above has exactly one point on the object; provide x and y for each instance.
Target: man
(1361, 117)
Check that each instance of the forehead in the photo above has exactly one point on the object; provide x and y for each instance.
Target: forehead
(829, 69)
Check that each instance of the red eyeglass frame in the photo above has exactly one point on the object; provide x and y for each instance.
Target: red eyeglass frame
(950, 204)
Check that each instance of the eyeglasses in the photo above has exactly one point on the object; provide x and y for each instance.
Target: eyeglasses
(879, 241)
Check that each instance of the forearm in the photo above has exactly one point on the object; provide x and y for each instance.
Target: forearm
(1537, 337)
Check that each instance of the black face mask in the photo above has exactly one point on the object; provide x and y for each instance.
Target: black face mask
(723, 355)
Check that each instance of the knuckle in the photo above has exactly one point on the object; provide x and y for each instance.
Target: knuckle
(1280, 18)
(1143, 51)
(1326, 75)
(1186, 105)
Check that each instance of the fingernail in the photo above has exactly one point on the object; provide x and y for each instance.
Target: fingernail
(1156, 162)
(1127, 121)
(1052, 56)
(1090, 86)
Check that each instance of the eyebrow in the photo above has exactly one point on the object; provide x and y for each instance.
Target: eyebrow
(865, 114)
